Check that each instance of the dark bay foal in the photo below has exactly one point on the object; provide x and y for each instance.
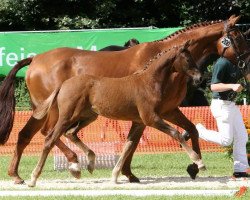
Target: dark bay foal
(141, 98)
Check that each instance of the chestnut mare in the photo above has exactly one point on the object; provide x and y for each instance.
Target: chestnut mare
(142, 98)
(49, 70)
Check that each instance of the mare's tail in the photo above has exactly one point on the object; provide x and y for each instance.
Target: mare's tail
(42, 109)
(7, 100)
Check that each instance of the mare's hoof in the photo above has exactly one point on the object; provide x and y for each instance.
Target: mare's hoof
(192, 170)
(76, 174)
(133, 179)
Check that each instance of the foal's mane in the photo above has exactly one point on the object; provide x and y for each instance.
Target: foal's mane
(156, 57)
(194, 26)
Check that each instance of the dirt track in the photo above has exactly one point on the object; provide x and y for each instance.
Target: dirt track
(146, 183)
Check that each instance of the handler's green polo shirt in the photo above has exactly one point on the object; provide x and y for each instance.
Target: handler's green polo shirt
(224, 72)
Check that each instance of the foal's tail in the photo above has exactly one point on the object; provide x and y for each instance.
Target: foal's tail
(42, 109)
(8, 102)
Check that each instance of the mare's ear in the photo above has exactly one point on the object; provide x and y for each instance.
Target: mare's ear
(233, 20)
(231, 17)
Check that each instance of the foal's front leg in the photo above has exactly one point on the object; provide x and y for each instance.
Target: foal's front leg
(123, 164)
(137, 129)
(155, 121)
(178, 118)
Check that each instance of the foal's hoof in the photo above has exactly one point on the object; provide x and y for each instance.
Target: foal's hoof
(193, 170)
(19, 182)
(133, 179)
(75, 169)
(76, 174)
(91, 167)
(91, 161)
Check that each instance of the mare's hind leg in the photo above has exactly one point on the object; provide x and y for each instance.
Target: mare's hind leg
(50, 141)
(137, 130)
(75, 139)
(24, 137)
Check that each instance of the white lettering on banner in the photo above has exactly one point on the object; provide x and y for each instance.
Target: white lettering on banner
(93, 48)
(1, 55)
(11, 58)
(31, 55)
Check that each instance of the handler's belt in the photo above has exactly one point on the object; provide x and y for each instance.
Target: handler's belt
(224, 99)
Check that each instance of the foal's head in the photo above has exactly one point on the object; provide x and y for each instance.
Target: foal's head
(185, 63)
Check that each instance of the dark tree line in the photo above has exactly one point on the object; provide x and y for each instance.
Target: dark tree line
(23, 15)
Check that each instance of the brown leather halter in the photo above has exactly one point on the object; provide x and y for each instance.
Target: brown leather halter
(241, 63)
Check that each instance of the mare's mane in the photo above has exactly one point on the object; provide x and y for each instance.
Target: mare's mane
(198, 25)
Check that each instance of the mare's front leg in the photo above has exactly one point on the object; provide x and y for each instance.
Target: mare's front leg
(124, 163)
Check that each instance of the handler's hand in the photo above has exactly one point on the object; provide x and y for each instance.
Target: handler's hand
(237, 87)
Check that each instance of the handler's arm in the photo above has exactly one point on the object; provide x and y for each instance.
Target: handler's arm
(221, 87)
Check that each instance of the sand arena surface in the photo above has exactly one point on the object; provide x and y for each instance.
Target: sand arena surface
(213, 183)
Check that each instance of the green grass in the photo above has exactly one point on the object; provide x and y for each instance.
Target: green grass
(156, 165)
(168, 164)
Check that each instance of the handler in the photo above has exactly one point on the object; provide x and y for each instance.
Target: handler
(228, 116)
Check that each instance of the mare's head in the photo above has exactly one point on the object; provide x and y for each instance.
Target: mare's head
(233, 46)
(185, 63)
(132, 42)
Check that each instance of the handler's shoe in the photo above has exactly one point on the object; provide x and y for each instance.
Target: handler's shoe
(241, 175)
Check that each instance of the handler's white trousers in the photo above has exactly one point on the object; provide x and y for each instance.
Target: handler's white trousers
(231, 130)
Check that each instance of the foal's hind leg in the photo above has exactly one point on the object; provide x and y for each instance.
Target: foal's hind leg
(24, 137)
(70, 155)
(137, 130)
(88, 152)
